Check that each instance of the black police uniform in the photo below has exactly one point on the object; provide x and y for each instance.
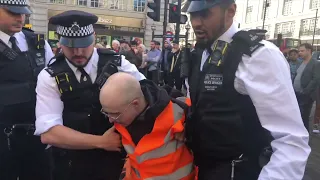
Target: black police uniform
(21, 153)
(81, 103)
(223, 130)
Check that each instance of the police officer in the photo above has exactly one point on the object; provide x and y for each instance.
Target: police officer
(244, 110)
(68, 107)
(23, 55)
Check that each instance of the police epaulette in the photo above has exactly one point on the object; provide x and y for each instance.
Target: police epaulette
(50, 71)
(27, 29)
(56, 57)
(248, 39)
(105, 51)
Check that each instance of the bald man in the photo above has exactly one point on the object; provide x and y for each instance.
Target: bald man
(148, 119)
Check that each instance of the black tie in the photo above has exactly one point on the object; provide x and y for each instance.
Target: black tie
(13, 41)
(85, 78)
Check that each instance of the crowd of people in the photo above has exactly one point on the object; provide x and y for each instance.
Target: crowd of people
(305, 76)
(85, 112)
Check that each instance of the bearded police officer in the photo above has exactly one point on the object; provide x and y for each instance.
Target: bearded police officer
(244, 109)
(68, 108)
(23, 55)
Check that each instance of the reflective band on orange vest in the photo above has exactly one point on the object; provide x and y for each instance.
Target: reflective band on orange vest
(178, 174)
(136, 172)
(164, 150)
(178, 114)
(145, 160)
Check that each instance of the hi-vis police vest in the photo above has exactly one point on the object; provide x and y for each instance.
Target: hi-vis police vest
(158, 155)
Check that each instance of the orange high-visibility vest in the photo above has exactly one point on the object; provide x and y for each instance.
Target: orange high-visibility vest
(158, 155)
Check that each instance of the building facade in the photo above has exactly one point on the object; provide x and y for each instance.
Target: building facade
(118, 19)
(291, 18)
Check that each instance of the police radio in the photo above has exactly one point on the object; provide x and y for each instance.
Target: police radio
(106, 72)
(40, 42)
(7, 51)
(219, 49)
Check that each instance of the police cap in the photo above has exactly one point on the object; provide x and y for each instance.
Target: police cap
(15, 6)
(200, 5)
(175, 41)
(75, 28)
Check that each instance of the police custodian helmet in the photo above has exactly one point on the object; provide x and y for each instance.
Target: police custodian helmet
(200, 5)
(15, 6)
(75, 28)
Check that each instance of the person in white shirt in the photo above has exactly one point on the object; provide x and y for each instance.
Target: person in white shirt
(23, 54)
(245, 122)
(85, 146)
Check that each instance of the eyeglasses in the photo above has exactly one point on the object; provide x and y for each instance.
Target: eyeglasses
(115, 117)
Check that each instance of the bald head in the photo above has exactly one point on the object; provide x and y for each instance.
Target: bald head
(119, 89)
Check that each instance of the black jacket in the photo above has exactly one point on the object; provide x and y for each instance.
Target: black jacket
(177, 65)
(157, 99)
(310, 78)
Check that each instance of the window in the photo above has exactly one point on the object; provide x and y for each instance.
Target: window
(286, 29)
(265, 8)
(249, 14)
(139, 5)
(136, 5)
(116, 4)
(304, 25)
(82, 2)
(278, 29)
(287, 6)
(95, 3)
(58, 1)
(314, 4)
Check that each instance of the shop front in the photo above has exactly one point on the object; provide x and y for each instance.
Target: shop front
(109, 28)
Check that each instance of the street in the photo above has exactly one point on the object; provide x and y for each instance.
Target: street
(313, 166)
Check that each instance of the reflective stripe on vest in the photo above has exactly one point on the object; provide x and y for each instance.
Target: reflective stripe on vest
(178, 174)
(178, 113)
(168, 122)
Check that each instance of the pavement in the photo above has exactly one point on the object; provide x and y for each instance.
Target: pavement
(313, 166)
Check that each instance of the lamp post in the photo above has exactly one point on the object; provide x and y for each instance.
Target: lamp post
(315, 26)
(153, 28)
(266, 5)
(187, 27)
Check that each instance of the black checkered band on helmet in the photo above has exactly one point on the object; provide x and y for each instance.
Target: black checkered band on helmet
(75, 31)
(14, 2)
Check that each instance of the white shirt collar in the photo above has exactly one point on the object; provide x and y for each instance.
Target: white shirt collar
(93, 62)
(227, 36)
(4, 37)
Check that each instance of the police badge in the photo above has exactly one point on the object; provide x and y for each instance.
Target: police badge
(75, 27)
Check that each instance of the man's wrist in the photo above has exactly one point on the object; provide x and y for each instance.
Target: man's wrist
(97, 142)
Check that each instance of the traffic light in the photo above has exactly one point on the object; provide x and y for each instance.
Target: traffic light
(155, 6)
(279, 40)
(175, 15)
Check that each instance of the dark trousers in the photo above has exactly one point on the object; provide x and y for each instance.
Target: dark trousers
(174, 80)
(153, 76)
(317, 110)
(93, 169)
(27, 158)
(305, 104)
(222, 171)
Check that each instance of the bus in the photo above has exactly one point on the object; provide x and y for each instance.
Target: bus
(286, 44)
